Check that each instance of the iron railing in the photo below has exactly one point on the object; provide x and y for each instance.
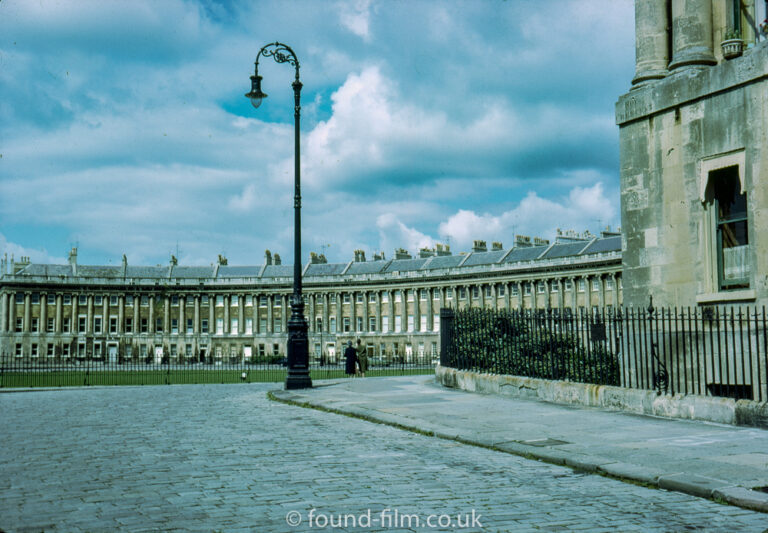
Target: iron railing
(705, 351)
(59, 372)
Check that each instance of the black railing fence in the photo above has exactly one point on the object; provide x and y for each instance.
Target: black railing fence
(705, 351)
(87, 371)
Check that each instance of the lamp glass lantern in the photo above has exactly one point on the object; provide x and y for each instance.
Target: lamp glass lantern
(256, 95)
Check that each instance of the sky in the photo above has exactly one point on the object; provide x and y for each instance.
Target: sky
(124, 128)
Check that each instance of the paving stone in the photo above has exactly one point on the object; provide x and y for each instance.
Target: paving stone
(224, 458)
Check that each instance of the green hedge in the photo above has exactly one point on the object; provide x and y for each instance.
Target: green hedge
(504, 342)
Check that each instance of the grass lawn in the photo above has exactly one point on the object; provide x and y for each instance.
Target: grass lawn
(79, 378)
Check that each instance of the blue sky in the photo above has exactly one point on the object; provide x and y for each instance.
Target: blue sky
(124, 130)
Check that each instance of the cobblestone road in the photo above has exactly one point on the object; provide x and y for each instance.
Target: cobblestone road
(224, 458)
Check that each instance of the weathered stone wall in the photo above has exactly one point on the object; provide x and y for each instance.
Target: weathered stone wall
(671, 129)
(693, 407)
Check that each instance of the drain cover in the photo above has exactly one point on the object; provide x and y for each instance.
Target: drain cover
(543, 442)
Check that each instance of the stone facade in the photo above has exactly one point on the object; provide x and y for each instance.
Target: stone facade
(225, 313)
(693, 139)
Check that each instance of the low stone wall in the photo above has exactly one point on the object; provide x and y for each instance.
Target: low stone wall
(693, 407)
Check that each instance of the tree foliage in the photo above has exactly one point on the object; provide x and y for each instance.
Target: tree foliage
(542, 346)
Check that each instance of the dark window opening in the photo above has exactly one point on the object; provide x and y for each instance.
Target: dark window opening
(733, 262)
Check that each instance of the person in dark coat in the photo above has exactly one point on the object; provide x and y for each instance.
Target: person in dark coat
(350, 354)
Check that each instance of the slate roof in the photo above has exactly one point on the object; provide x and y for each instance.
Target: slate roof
(278, 271)
(47, 270)
(524, 254)
(192, 272)
(608, 244)
(405, 265)
(367, 267)
(226, 271)
(325, 269)
(484, 258)
(531, 253)
(141, 271)
(444, 261)
(565, 249)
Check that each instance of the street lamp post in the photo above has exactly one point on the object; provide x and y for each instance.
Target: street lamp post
(298, 344)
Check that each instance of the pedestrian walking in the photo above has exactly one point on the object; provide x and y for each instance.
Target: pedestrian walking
(362, 359)
(350, 354)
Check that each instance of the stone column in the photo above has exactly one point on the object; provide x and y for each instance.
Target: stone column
(404, 310)
(284, 313)
(226, 314)
(391, 310)
(442, 297)
(136, 305)
(312, 318)
(270, 314)
(574, 294)
(89, 319)
(587, 294)
(105, 315)
(339, 313)
(59, 313)
(378, 312)
(691, 34)
(121, 314)
(601, 293)
(27, 312)
(416, 309)
(43, 313)
(507, 301)
(615, 295)
(651, 55)
(196, 322)
(352, 312)
(481, 294)
(366, 314)
(152, 314)
(4, 312)
(520, 297)
(430, 318)
(167, 316)
(11, 307)
(211, 318)
(241, 314)
(182, 315)
(326, 315)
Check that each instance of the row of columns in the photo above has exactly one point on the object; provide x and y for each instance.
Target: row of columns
(375, 297)
(691, 38)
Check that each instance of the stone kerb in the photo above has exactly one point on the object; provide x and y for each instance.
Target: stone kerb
(692, 407)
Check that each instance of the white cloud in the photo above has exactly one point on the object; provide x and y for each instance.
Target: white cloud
(583, 208)
(355, 16)
(394, 234)
(126, 128)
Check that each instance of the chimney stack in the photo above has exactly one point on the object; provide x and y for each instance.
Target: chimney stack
(73, 260)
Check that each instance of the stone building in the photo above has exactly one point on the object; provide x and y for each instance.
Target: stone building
(693, 145)
(224, 313)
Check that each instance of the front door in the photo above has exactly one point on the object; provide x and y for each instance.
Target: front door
(112, 353)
